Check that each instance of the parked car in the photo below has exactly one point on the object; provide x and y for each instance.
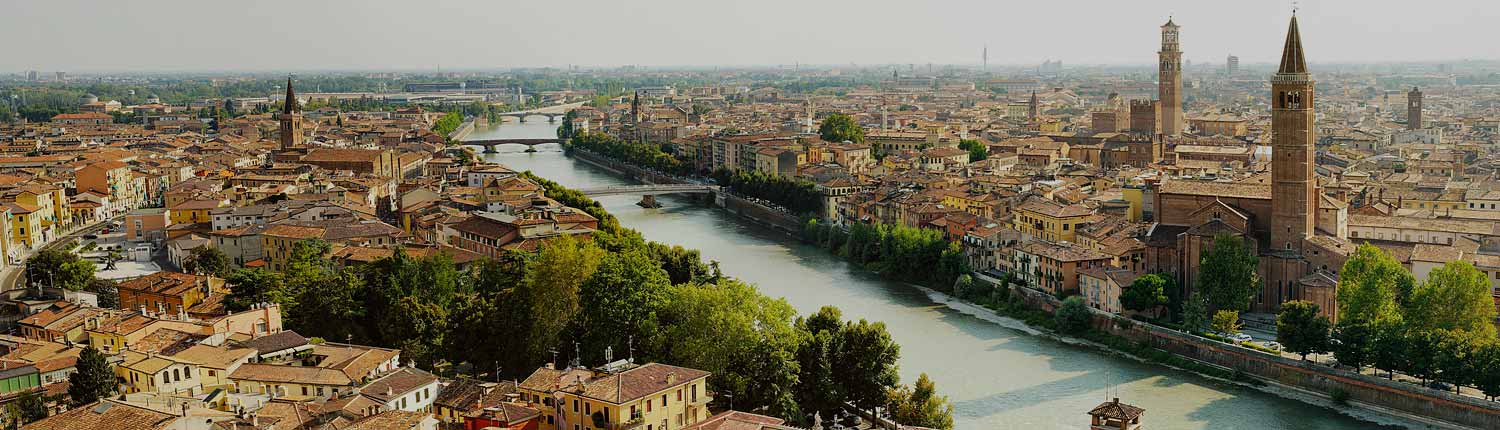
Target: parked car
(1440, 385)
(90, 236)
(1273, 345)
(1240, 337)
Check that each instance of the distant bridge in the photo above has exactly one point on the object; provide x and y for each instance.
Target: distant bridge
(490, 144)
(551, 112)
(651, 189)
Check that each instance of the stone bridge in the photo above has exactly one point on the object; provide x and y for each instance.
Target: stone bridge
(651, 189)
(489, 144)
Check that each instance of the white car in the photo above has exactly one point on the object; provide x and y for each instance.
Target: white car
(1240, 337)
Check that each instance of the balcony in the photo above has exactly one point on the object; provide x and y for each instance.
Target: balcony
(636, 421)
(700, 400)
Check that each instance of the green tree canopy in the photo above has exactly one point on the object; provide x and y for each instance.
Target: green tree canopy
(1073, 316)
(1146, 293)
(60, 269)
(1455, 297)
(206, 260)
(94, 378)
(1371, 285)
(839, 128)
(1354, 346)
(1300, 329)
(920, 406)
(1228, 276)
(1226, 321)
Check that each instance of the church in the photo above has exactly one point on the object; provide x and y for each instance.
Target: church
(1299, 233)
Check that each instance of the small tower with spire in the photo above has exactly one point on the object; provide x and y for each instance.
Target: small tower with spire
(1294, 186)
(1033, 107)
(291, 119)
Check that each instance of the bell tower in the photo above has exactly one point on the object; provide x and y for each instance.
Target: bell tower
(291, 119)
(1169, 81)
(1294, 188)
(1414, 109)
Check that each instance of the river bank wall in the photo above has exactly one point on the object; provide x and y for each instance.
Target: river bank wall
(1366, 391)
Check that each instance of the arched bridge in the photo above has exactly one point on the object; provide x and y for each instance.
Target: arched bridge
(551, 112)
(489, 144)
(650, 189)
(521, 116)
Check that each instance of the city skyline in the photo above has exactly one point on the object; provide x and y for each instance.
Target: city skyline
(463, 35)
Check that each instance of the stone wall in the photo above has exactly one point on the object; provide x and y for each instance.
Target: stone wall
(1317, 379)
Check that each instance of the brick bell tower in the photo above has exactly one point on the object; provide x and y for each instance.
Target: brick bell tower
(1294, 189)
(1170, 82)
(291, 120)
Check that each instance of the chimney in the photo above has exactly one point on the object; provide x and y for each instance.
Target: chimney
(671, 378)
(1117, 400)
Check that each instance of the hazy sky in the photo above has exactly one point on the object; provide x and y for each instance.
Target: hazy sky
(165, 35)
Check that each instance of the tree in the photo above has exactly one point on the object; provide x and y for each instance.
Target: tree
(205, 260)
(1226, 321)
(839, 128)
(1146, 294)
(977, 150)
(1421, 358)
(867, 364)
(818, 391)
(1300, 329)
(248, 287)
(1370, 286)
(619, 302)
(1458, 356)
(1228, 276)
(746, 340)
(1194, 313)
(106, 291)
(1487, 369)
(59, 269)
(1455, 297)
(920, 406)
(1073, 316)
(1389, 346)
(94, 378)
(550, 290)
(30, 407)
(1353, 344)
(333, 307)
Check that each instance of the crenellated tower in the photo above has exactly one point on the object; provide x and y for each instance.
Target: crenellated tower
(1169, 81)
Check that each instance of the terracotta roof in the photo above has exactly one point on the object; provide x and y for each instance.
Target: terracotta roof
(165, 283)
(389, 420)
(290, 374)
(1053, 209)
(1116, 410)
(397, 384)
(105, 415)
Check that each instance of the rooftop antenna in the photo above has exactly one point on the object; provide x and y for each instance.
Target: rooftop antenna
(554, 356)
(577, 355)
(630, 346)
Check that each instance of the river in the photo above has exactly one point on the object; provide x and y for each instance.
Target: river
(995, 374)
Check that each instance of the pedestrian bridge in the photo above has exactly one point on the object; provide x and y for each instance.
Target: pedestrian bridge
(652, 189)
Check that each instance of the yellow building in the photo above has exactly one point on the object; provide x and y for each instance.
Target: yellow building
(25, 225)
(979, 204)
(1136, 198)
(1049, 220)
(648, 397)
(194, 211)
(154, 373)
